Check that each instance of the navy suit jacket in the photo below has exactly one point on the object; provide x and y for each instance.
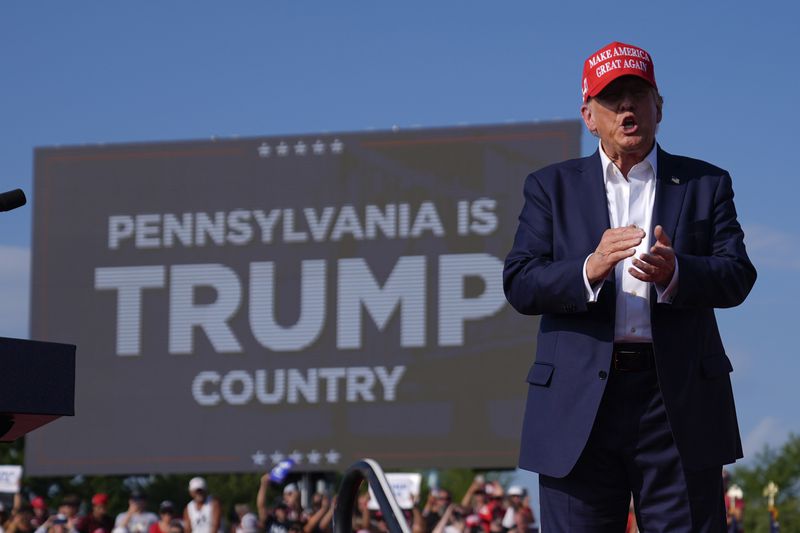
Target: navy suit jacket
(561, 223)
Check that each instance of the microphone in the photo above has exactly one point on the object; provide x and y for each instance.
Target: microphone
(12, 199)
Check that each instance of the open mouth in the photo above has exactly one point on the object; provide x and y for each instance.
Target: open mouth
(629, 125)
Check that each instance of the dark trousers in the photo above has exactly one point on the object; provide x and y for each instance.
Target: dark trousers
(631, 451)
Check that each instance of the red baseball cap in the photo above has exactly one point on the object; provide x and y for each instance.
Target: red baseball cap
(612, 61)
(100, 499)
(38, 503)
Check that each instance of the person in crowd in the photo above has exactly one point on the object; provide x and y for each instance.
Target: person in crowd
(291, 497)
(3, 517)
(435, 507)
(244, 520)
(277, 521)
(70, 507)
(734, 504)
(203, 513)
(518, 517)
(361, 522)
(491, 513)
(40, 511)
(166, 515)
(98, 519)
(22, 520)
(475, 499)
(320, 516)
(57, 523)
(136, 519)
(453, 520)
(472, 524)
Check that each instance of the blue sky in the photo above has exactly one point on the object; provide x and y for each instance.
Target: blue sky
(97, 71)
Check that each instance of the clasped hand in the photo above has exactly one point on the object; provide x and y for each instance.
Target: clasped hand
(617, 244)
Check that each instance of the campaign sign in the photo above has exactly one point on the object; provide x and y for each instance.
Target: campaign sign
(10, 476)
(319, 298)
(405, 487)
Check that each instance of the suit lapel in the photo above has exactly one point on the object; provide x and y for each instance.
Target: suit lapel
(596, 204)
(594, 213)
(670, 189)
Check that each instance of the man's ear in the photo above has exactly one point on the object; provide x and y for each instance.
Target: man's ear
(588, 118)
(659, 106)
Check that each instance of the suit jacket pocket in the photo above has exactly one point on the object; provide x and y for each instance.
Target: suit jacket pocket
(540, 374)
(716, 365)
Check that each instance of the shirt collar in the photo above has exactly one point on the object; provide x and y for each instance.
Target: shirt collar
(650, 159)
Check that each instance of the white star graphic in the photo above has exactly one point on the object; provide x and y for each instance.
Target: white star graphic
(296, 456)
(259, 458)
(318, 147)
(264, 150)
(283, 149)
(337, 146)
(314, 457)
(276, 457)
(332, 457)
(300, 148)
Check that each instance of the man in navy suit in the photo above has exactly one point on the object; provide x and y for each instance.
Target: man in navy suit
(625, 254)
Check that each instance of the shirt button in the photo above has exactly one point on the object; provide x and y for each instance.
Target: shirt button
(602, 374)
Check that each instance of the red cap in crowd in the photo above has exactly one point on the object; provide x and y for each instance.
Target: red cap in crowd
(612, 61)
(100, 499)
(38, 503)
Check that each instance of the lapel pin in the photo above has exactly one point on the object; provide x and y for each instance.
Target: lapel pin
(675, 180)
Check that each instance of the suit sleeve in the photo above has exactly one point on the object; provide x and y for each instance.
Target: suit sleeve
(533, 281)
(724, 278)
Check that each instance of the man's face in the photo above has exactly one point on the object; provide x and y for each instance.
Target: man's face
(291, 497)
(442, 499)
(199, 495)
(625, 116)
(68, 510)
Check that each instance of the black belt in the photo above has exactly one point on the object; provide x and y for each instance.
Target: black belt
(632, 357)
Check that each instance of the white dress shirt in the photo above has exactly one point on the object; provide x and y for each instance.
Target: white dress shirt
(630, 202)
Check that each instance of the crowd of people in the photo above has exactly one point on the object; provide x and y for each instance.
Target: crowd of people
(486, 507)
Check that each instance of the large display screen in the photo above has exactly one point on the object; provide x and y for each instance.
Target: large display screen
(320, 297)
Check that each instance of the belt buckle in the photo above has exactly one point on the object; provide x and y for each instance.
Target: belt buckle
(630, 355)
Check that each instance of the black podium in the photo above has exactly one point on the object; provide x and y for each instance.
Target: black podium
(37, 385)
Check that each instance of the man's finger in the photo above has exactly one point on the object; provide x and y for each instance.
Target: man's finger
(616, 257)
(666, 253)
(661, 236)
(647, 268)
(622, 246)
(655, 260)
(628, 232)
(638, 274)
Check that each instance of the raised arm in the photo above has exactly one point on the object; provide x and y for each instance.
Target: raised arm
(261, 500)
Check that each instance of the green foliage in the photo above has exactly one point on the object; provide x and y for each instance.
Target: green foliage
(781, 466)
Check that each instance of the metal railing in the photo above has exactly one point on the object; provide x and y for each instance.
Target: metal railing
(371, 472)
